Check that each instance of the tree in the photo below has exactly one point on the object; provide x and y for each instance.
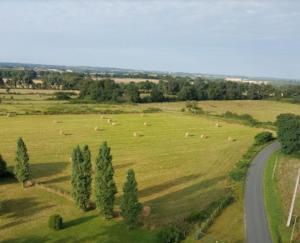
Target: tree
(87, 172)
(288, 126)
(156, 95)
(3, 168)
(81, 176)
(105, 188)
(2, 84)
(133, 93)
(130, 206)
(22, 162)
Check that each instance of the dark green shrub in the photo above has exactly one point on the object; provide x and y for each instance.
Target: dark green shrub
(263, 138)
(152, 110)
(55, 222)
(174, 233)
(62, 96)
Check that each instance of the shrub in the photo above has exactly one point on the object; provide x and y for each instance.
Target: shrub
(152, 110)
(263, 138)
(55, 222)
(62, 96)
(174, 233)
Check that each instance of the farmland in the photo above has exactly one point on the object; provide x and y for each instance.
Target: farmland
(176, 174)
(187, 173)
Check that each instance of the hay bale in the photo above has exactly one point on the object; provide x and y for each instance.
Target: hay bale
(145, 124)
(218, 125)
(202, 136)
(102, 117)
(96, 128)
(8, 115)
(70, 159)
(61, 132)
(231, 139)
(146, 211)
(108, 120)
(28, 183)
(135, 134)
(113, 123)
(186, 134)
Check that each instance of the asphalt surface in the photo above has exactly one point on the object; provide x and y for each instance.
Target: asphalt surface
(257, 228)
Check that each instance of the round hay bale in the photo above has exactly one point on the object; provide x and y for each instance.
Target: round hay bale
(102, 117)
(70, 159)
(146, 211)
(145, 124)
(28, 183)
(108, 120)
(96, 128)
(61, 132)
(231, 139)
(186, 134)
(218, 124)
(113, 123)
(135, 134)
(202, 136)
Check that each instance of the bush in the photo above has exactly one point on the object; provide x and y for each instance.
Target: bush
(174, 233)
(152, 110)
(263, 138)
(55, 222)
(62, 96)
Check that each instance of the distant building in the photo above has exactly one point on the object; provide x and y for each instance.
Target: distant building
(241, 80)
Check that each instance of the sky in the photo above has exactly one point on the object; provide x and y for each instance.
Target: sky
(234, 37)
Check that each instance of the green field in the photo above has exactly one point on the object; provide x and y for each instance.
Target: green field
(176, 175)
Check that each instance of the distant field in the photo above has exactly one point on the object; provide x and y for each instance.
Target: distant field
(262, 110)
(176, 175)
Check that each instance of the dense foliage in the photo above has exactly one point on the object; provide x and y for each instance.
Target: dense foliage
(21, 170)
(263, 138)
(288, 129)
(81, 176)
(105, 188)
(130, 206)
(3, 167)
(102, 87)
(55, 222)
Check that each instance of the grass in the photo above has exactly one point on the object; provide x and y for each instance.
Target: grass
(176, 175)
(273, 201)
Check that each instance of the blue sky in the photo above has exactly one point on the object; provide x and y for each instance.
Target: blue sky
(246, 37)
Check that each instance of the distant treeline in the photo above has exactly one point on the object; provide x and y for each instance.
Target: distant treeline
(169, 88)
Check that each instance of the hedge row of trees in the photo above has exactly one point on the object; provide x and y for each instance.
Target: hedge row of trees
(105, 187)
(288, 129)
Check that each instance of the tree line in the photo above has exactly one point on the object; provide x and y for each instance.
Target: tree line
(81, 181)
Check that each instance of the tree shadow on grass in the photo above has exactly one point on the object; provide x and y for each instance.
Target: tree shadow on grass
(58, 179)
(166, 185)
(188, 199)
(47, 169)
(19, 209)
(78, 221)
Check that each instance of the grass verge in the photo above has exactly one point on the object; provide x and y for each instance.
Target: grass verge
(273, 204)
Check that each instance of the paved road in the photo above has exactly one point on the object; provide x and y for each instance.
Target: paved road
(257, 228)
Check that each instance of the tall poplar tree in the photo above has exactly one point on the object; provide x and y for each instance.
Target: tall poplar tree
(130, 206)
(81, 177)
(21, 170)
(105, 187)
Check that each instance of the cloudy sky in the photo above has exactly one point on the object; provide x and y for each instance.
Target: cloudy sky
(247, 37)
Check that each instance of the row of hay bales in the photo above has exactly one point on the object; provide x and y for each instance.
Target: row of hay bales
(137, 134)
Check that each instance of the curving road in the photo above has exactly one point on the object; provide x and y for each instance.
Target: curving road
(257, 228)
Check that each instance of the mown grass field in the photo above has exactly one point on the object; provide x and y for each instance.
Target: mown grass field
(176, 175)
